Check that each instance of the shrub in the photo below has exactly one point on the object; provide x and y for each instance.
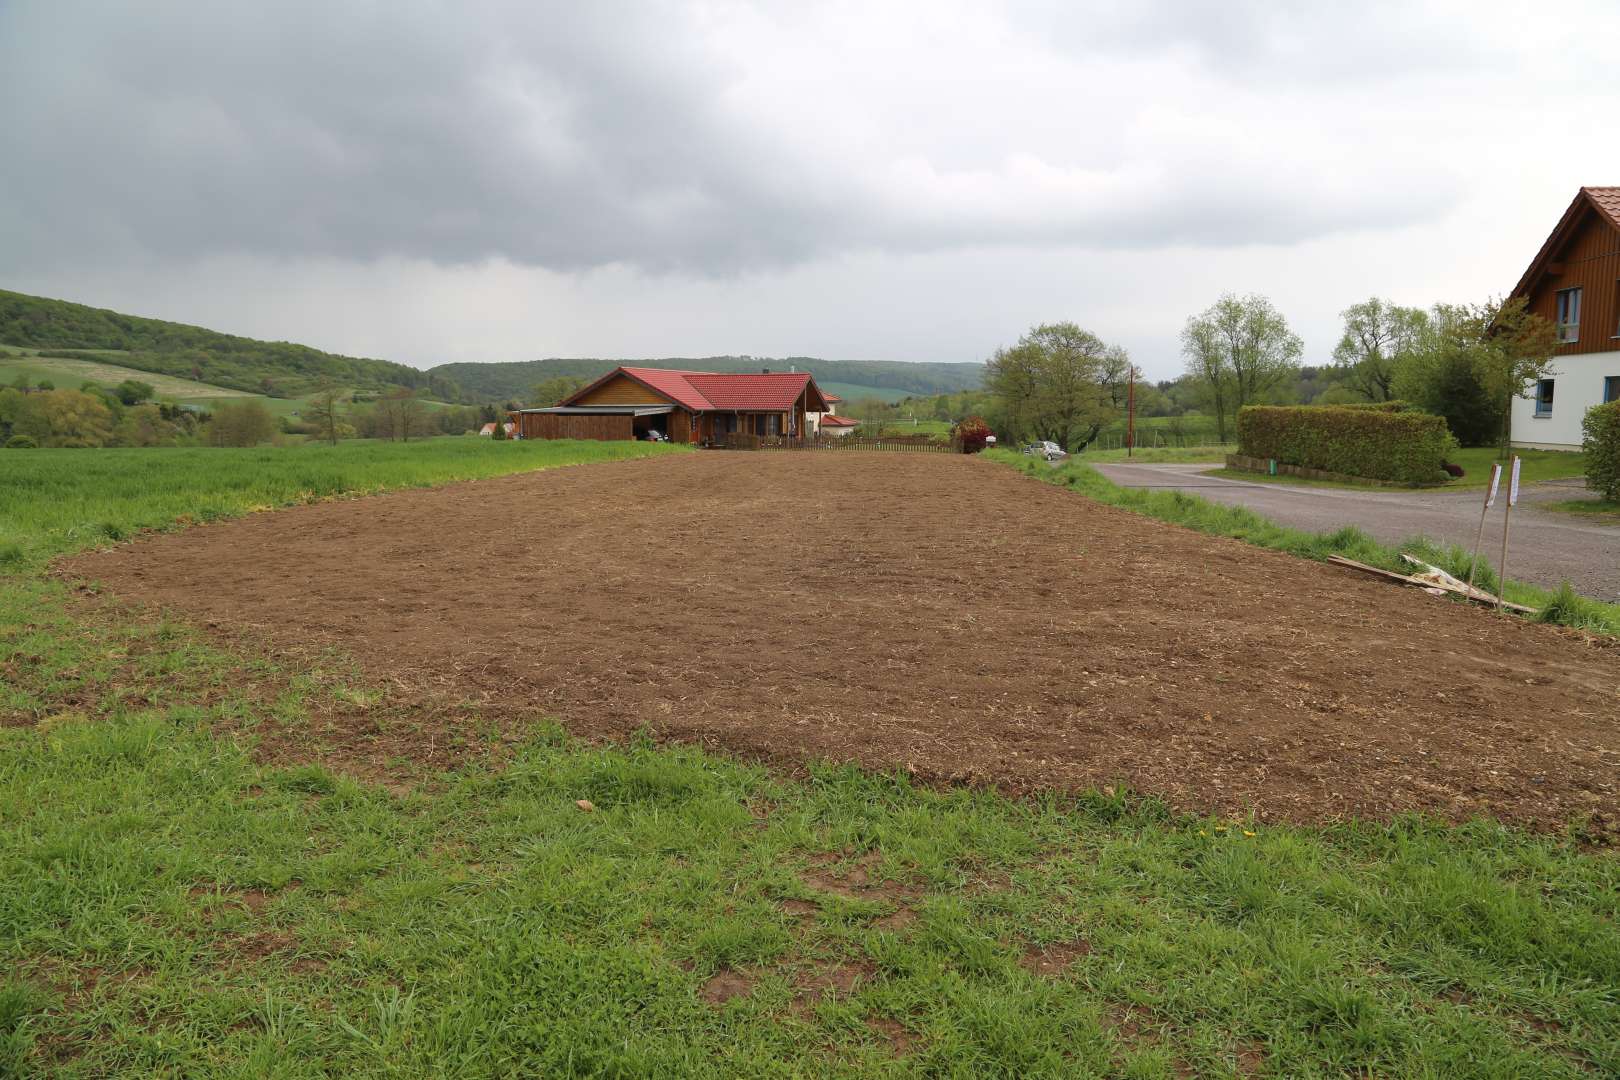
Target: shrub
(1600, 441)
(1381, 406)
(21, 442)
(971, 433)
(1405, 447)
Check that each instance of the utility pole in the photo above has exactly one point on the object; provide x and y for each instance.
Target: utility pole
(1130, 415)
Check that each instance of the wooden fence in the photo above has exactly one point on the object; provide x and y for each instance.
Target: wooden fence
(908, 444)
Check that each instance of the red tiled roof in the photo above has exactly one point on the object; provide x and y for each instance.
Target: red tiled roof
(672, 384)
(829, 420)
(1604, 200)
(832, 399)
(775, 392)
(701, 391)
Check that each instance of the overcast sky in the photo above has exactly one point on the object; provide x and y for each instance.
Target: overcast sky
(429, 182)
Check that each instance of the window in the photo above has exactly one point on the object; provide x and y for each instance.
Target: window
(1544, 396)
(1611, 388)
(1568, 315)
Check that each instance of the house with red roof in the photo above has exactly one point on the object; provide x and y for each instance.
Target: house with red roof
(830, 423)
(1574, 282)
(684, 406)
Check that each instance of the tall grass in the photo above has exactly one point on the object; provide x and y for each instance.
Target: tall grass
(1562, 606)
(53, 501)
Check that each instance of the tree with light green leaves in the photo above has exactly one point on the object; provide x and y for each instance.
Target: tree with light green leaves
(1378, 337)
(1239, 349)
(324, 412)
(1059, 382)
(1472, 361)
(554, 391)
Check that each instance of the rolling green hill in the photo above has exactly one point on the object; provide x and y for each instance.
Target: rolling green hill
(275, 368)
(69, 333)
(887, 379)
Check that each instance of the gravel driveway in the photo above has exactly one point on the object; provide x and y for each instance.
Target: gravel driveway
(1547, 547)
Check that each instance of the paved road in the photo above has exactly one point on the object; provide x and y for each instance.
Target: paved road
(1546, 547)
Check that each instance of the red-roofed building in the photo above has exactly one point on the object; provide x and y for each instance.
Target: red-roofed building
(684, 406)
(1574, 282)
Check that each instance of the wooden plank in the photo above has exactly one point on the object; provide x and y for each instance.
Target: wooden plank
(1422, 583)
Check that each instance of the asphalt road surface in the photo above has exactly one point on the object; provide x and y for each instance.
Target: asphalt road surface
(1546, 547)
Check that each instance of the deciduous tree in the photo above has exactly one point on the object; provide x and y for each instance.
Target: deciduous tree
(65, 418)
(1240, 348)
(555, 390)
(400, 415)
(240, 423)
(324, 412)
(1377, 337)
(1472, 361)
(1059, 382)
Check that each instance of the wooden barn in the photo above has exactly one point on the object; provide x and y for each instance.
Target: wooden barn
(685, 406)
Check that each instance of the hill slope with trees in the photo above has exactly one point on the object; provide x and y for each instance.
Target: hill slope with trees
(500, 381)
(275, 368)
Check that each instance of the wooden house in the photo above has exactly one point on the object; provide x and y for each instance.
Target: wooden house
(684, 406)
(1574, 282)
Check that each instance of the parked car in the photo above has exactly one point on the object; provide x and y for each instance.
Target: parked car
(655, 435)
(1047, 449)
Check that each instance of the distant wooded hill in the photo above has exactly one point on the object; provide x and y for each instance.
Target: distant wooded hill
(496, 382)
(285, 370)
(275, 368)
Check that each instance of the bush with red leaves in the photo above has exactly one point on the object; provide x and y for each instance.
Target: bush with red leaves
(971, 433)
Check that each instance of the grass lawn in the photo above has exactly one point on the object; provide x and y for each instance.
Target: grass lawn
(1537, 465)
(1163, 455)
(173, 904)
(853, 392)
(70, 374)
(60, 500)
(1598, 508)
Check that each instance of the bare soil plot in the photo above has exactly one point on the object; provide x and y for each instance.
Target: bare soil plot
(939, 614)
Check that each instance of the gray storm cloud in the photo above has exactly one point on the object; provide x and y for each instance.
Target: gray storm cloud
(573, 136)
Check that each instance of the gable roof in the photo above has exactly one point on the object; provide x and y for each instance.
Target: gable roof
(1604, 201)
(829, 420)
(709, 391)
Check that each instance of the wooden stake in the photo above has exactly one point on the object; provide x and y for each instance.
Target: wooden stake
(1507, 524)
(1479, 537)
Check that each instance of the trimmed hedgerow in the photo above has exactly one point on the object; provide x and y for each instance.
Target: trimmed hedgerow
(1406, 447)
(1381, 406)
(1600, 441)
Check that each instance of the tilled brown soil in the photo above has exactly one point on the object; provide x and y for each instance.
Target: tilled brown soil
(940, 614)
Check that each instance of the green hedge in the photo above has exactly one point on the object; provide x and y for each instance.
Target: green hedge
(1600, 441)
(1406, 447)
(1380, 406)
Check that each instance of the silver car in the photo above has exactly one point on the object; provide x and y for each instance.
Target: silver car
(1047, 449)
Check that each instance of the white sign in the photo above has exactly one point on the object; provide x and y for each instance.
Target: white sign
(1496, 478)
(1513, 486)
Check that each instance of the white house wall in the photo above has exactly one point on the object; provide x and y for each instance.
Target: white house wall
(1577, 386)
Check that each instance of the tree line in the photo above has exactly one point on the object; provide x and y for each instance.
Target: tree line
(1061, 382)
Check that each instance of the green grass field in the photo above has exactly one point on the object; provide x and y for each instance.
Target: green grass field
(63, 500)
(171, 904)
(1591, 507)
(852, 392)
(69, 374)
(1144, 455)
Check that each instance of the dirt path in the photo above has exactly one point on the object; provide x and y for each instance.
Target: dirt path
(935, 613)
(1548, 547)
